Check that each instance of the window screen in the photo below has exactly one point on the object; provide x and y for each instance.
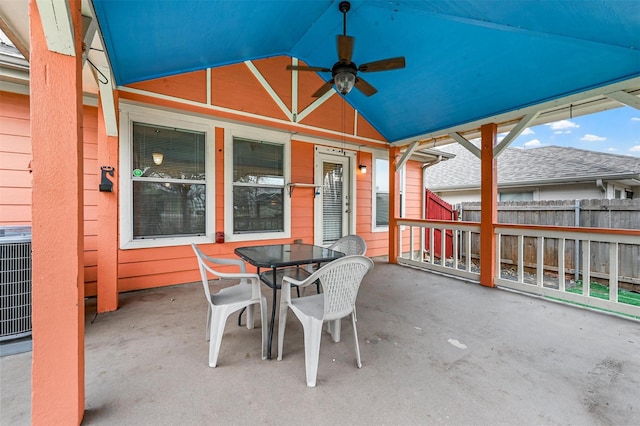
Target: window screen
(258, 186)
(168, 182)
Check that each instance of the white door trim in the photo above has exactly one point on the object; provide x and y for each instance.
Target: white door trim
(325, 153)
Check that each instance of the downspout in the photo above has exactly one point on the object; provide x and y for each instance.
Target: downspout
(600, 185)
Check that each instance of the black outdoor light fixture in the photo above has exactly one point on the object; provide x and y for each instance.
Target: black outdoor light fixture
(105, 184)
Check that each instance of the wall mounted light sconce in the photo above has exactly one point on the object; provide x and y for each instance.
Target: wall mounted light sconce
(362, 167)
(105, 184)
(158, 157)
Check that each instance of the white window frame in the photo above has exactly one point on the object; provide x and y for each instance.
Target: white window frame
(133, 113)
(403, 204)
(250, 133)
(502, 194)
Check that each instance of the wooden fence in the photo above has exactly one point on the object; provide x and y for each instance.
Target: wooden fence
(617, 214)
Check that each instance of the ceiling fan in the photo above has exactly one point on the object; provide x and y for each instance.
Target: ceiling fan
(344, 73)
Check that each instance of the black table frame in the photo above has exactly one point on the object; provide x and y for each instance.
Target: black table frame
(277, 256)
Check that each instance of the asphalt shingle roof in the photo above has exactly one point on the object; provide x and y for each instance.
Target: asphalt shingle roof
(531, 166)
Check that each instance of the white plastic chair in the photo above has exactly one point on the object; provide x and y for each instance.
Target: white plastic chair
(350, 245)
(228, 300)
(340, 282)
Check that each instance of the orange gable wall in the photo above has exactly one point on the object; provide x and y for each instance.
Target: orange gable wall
(274, 70)
(235, 87)
(191, 86)
(153, 267)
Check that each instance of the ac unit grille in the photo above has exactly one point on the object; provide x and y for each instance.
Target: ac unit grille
(15, 289)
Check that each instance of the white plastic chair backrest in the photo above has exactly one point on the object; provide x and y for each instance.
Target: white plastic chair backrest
(204, 268)
(340, 281)
(350, 245)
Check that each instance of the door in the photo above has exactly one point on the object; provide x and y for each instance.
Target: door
(334, 206)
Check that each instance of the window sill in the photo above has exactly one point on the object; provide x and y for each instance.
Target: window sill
(166, 242)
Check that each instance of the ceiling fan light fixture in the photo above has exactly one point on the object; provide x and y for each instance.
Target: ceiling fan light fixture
(344, 80)
(344, 73)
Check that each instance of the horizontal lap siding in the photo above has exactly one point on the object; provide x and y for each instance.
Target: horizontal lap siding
(15, 160)
(16, 177)
(414, 200)
(91, 182)
(302, 199)
(233, 87)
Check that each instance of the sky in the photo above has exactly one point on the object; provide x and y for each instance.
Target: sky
(615, 131)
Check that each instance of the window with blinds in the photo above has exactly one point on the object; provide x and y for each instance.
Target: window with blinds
(382, 192)
(168, 182)
(258, 186)
(332, 181)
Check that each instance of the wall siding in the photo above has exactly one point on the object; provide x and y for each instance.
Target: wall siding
(15, 160)
(233, 87)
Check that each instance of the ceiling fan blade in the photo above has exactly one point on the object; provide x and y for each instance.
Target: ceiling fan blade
(345, 48)
(323, 89)
(383, 65)
(306, 68)
(365, 87)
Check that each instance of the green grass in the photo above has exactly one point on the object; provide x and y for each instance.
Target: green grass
(602, 292)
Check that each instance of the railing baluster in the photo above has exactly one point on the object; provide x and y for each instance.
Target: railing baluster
(431, 253)
(586, 266)
(422, 238)
(454, 241)
(521, 258)
(498, 255)
(540, 262)
(561, 279)
(468, 250)
(613, 272)
(443, 248)
(411, 246)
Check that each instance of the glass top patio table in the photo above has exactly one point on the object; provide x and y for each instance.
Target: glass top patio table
(277, 256)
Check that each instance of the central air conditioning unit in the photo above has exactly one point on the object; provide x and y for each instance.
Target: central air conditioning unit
(15, 282)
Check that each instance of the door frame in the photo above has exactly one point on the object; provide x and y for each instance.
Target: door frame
(322, 153)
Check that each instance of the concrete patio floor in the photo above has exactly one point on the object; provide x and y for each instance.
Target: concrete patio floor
(435, 350)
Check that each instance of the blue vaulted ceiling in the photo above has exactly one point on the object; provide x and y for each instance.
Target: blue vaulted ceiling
(467, 60)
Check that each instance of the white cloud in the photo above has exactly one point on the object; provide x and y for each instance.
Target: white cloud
(612, 149)
(563, 124)
(527, 131)
(635, 118)
(592, 138)
(635, 148)
(532, 143)
(562, 132)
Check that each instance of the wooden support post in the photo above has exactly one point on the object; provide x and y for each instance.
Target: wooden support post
(57, 391)
(107, 220)
(394, 203)
(489, 203)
